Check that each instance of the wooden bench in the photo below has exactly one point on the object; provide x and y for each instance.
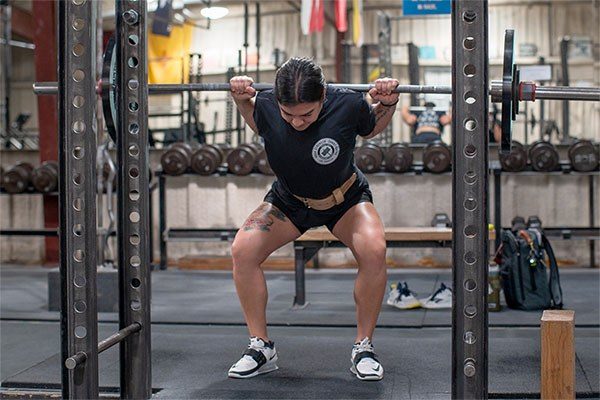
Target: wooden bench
(308, 245)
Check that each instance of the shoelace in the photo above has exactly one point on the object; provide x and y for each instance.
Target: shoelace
(364, 345)
(256, 345)
(405, 290)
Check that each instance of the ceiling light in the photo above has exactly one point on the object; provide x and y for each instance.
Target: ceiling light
(214, 12)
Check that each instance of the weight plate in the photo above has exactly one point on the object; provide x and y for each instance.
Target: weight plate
(437, 157)
(369, 157)
(241, 161)
(543, 156)
(262, 163)
(516, 160)
(206, 159)
(508, 71)
(45, 177)
(398, 158)
(583, 156)
(109, 78)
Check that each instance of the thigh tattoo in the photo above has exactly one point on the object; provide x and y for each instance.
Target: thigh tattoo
(262, 218)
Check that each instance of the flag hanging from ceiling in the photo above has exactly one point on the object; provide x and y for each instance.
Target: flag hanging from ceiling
(305, 14)
(168, 60)
(341, 15)
(357, 22)
(318, 16)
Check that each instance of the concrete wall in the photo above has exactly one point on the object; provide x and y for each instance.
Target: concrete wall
(402, 200)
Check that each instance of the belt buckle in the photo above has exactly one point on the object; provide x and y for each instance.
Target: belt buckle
(305, 201)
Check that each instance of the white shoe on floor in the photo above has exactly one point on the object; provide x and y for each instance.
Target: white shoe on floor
(441, 298)
(259, 358)
(401, 297)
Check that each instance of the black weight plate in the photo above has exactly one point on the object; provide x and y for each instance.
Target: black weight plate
(369, 157)
(398, 158)
(437, 157)
(18, 178)
(45, 177)
(109, 70)
(241, 160)
(507, 90)
(176, 159)
(262, 163)
(583, 156)
(206, 160)
(543, 156)
(516, 160)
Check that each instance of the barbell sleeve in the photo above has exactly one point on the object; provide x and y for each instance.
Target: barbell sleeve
(45, 88)
(567, 93)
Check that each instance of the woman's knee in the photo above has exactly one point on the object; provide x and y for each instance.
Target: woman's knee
(372, 249)
(245, 254)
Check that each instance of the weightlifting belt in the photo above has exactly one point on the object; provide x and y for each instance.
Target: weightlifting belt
(335, 198)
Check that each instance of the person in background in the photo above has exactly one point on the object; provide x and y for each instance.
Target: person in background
(494, 126)
(427, 125)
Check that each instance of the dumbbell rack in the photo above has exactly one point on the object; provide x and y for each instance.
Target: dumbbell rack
(29, 231)
(591, 233)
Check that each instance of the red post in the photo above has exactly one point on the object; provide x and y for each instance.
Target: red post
(44, 38)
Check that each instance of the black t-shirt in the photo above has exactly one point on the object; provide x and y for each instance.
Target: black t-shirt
(314, 162)
(430, 118)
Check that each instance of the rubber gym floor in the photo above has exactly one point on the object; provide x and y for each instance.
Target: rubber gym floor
(198, 332)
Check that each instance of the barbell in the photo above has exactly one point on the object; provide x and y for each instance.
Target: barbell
(509, 91)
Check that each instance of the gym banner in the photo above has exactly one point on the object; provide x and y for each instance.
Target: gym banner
(168, 55)
(426, 7)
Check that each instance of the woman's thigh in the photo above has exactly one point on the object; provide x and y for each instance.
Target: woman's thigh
(265, 230)
(361, 229)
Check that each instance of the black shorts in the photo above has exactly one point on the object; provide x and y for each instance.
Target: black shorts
(305, 218)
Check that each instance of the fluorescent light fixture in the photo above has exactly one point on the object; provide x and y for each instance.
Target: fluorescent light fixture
(214, 12)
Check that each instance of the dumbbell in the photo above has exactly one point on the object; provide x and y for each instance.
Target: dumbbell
(206, 159)
(242, 160)
(583, 155)
(543, 156)
(517, 159)
(177, 158)
(441, 220)
(18, 178)
(262, 163)
(45, 177)
(398, 158)
(437, 157)
(369, 157)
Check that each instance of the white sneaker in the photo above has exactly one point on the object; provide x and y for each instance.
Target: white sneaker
(401, 297)
(365, 365)
(259, 358)
(441, 298)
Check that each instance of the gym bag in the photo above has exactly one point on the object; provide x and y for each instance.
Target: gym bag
(527, 283)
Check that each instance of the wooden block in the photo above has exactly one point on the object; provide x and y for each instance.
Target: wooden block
(558, 354)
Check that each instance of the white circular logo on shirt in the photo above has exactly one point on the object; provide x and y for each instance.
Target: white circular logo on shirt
(325, 151)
